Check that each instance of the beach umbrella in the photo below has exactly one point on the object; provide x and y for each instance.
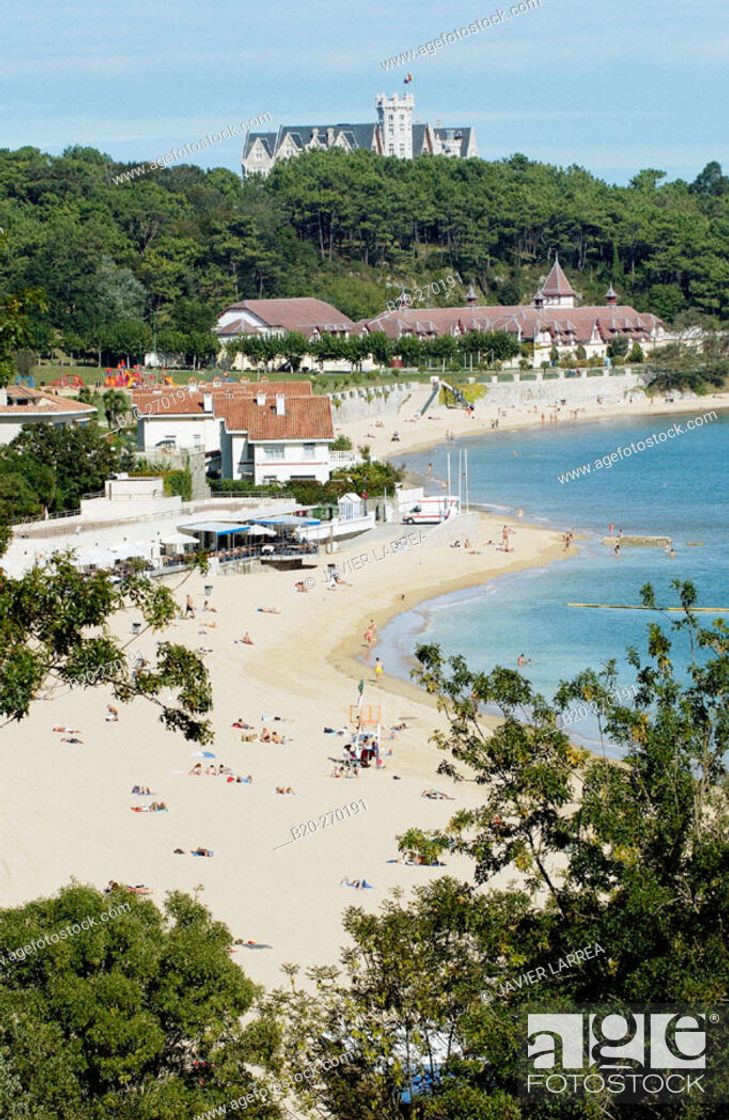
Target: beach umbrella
(203, 754)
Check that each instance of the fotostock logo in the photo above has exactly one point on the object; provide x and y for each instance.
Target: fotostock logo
(630, 1056)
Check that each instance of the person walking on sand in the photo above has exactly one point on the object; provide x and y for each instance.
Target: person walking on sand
(378, 670)
(189, 607)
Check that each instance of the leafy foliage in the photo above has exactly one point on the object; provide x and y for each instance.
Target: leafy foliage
(54, 629)
(162, 254)
(137, 1017)
(571, 852)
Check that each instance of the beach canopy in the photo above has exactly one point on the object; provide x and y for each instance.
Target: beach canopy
(219, 528)
(262, 531)
(178, 538)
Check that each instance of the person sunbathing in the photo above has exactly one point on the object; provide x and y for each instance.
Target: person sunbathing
(140, 888)
(265, 735)
(67, 730)
(71, 739)
(247, 640)
(206, 607)
(268, 610)
(211, 771)
(276, 738)
(196, 770)
(337, 772)
(247, 781)
(284, 789)
(436, 795)
(112, 714)
(358, 884)
(241, 723)
(202, 852)
(248, 737)
(158, 807)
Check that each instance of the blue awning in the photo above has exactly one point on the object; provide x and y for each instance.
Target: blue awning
(219, 528)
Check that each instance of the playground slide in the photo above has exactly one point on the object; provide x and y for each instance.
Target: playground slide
(430, 399)
(457, 394)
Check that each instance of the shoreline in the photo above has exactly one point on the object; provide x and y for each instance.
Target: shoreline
(413, 437)
(351, 665)
(302, 670)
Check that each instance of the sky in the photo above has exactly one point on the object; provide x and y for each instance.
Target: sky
(613, 86)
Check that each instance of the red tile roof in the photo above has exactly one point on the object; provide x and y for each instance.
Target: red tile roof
(23, 401)
(304, 419)
(181, 401)
(424, 322)
(557, 283)
(303, 315)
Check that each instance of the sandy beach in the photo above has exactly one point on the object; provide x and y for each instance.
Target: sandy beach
(67, 806)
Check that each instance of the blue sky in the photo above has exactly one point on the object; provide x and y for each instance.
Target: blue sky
(614, 86)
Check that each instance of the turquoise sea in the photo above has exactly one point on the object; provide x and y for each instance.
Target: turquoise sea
(679, 488)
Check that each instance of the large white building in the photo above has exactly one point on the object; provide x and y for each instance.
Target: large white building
(553, 321)
(262, 433)
(394, 133)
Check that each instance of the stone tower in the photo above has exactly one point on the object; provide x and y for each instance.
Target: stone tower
(395, 117)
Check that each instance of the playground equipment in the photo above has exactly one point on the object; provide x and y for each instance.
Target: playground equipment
(68, 381)
(439, 384)
(134, 377)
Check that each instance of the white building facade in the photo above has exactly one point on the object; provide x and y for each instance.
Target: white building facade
(393, 134)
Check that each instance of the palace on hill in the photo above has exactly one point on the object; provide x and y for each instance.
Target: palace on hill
(392, 134)
(554, 320)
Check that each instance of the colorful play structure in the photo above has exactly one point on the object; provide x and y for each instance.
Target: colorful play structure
(133, 377)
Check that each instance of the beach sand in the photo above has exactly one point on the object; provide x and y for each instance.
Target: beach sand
(66, 807)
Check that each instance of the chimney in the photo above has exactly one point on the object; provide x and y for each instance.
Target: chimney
(260, 399)
(280, 404)
(611, 297)
(207, 402)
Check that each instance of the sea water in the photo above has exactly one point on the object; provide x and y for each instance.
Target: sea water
(678, 488)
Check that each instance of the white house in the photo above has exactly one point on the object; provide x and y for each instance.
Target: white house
(264, 432)
(279, 439)
(20, 405)
(271, 318)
